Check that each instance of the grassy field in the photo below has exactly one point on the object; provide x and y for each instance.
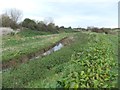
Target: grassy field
(27, 42)
(91, 61)
(96, 68)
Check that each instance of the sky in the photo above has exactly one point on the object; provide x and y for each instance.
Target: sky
(74, 13)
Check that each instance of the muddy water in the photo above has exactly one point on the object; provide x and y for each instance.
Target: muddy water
(55, 48)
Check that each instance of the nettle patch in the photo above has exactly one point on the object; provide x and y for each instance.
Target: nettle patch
(92, 67)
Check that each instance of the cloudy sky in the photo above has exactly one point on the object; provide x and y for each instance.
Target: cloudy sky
(75, 13)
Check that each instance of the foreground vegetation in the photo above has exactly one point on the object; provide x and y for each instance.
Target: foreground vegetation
(91, 61)
(92, 66)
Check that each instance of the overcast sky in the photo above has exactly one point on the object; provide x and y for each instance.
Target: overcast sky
(75, 13)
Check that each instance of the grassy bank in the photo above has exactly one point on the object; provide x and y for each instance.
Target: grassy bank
(27, 42)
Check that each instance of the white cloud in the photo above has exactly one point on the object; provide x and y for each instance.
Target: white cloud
(38, 9)
(24, 5)
(82, 1)
(84, 21)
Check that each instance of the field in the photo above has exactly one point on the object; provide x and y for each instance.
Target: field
(15, 46)
(89, 61)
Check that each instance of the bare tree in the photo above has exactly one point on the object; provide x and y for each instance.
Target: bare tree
(14, 14)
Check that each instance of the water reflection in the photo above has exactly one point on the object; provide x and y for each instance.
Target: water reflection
(55, 48)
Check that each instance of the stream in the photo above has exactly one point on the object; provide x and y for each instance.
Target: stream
(40, 54)
(53, 49)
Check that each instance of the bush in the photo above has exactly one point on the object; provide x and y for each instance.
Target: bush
(28, 23)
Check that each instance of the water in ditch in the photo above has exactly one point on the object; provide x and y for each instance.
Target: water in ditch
(54, 49)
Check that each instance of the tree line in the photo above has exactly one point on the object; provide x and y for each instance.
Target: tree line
(11, 18)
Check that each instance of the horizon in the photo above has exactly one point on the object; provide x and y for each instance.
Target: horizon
(77, 13)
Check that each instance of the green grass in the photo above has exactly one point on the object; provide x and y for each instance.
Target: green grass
(29, 33)
(65, 67)
(96, 68)
(42, 66)
(20, 44)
